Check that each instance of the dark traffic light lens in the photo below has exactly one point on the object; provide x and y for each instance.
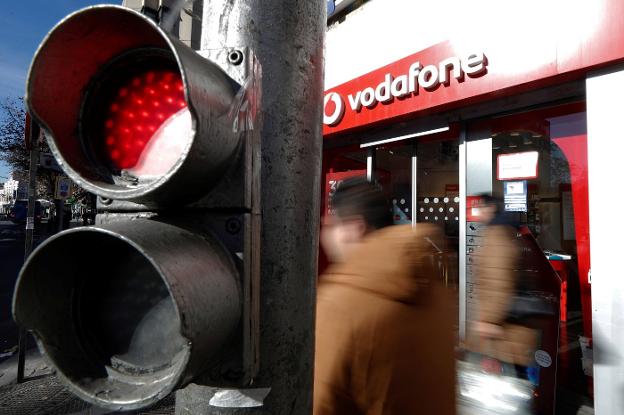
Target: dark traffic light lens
(144, 123)
(140, 309)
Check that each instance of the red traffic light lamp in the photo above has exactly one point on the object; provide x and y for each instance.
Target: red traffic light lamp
(130, 112)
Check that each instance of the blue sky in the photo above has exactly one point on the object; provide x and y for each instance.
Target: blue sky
(23, 24)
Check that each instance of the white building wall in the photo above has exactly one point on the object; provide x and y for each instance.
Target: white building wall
(13, 189)
(376, 34)
(383, 31)
(3, 197)
(605, 147)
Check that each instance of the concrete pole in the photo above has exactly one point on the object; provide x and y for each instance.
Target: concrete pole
(288, 39)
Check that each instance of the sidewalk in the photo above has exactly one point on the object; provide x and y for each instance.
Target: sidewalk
(43, 394)
(35, 367)
(40, 394)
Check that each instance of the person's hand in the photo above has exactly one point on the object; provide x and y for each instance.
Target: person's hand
(489, 330)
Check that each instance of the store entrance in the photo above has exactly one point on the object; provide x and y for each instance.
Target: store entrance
(422, 180)
(533, 166)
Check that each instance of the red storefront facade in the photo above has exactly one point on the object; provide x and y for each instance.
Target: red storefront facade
(463, 103)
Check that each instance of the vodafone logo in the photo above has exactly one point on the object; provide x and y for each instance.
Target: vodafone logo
(336, 107)
(418, 77)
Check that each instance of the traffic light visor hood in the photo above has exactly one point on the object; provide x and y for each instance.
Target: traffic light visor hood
(129, 112)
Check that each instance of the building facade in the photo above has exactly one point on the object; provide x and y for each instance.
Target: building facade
(13, 190)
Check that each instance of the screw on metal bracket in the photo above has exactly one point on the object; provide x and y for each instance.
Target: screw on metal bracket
(105, 201)
(233, 226)
(235, 57)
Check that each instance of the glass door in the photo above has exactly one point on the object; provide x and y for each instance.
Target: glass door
(393, 170)
(437, 199)
(422, 180)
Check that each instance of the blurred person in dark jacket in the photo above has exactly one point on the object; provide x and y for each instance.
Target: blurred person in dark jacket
(384, 324)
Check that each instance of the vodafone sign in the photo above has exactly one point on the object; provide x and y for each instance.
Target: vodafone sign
(336, 114)
(456, 72)
(418, 79)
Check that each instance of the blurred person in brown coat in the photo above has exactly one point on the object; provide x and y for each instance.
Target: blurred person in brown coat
(492, 332)
(384, 325)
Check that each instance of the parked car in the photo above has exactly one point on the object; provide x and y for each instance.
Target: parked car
(19, 211)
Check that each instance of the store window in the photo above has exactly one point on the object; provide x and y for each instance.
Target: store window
(393, 170)
(437, 189)
(339, 165)
(438, 185)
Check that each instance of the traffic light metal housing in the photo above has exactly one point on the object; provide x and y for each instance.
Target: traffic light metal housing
(124, 340)
(165, 288)
(101, 39)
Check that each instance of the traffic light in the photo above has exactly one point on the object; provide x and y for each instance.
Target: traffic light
(164, 289)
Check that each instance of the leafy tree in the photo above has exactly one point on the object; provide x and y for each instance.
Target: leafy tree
(13, 152)
(12, 147)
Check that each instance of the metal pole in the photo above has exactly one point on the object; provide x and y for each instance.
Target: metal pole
(30, 229)
(60, 212)
(287, 37)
